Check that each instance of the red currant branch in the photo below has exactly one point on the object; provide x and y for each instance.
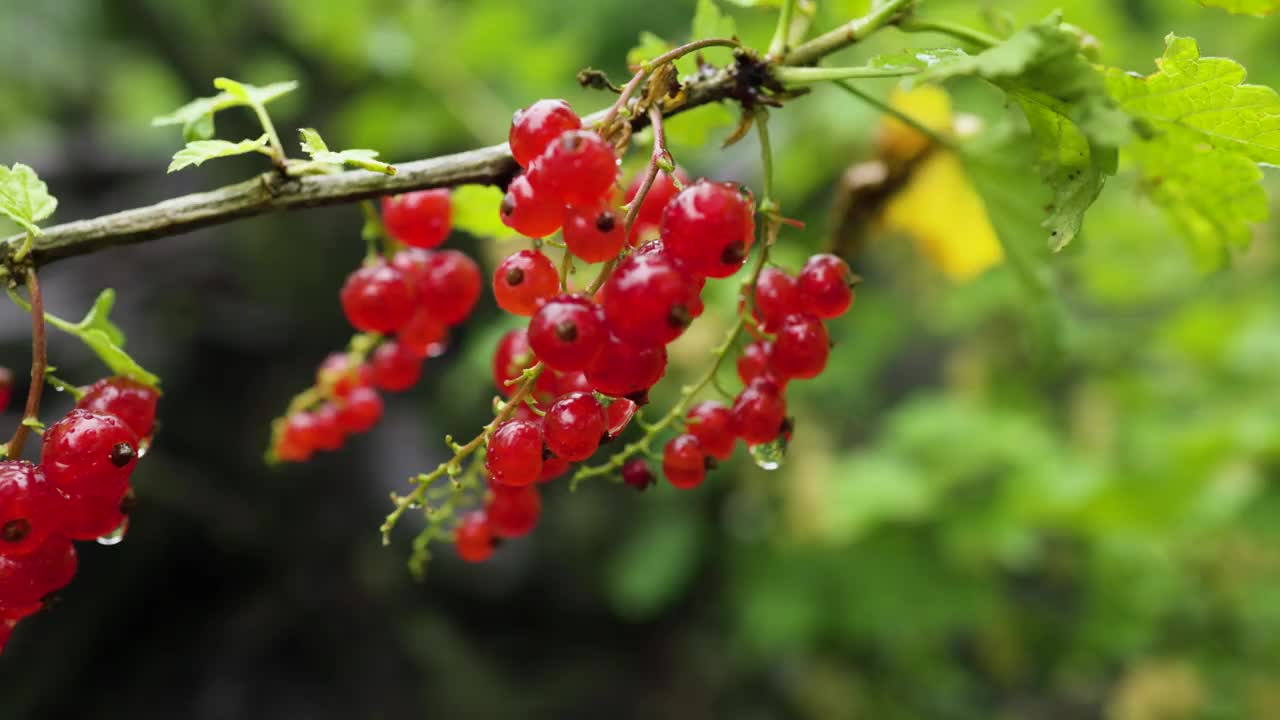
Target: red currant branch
(888, 13)
(39, 362)
(648, 67)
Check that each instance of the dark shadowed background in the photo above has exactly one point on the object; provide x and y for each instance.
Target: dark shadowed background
(978, 518)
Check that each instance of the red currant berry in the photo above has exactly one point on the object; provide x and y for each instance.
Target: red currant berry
(712, 423)
(28, 507)
(684, 463)
(710, 227)
(424, 335)
(297, 440)
(648, 300)
(412, 263)
(623, 369)
(535, 127)
(649, 217)
(515, 453)
(826, 286)
(574, 425)
(552, 468)
(568, 332)
(636, 474)
(328, 431)
(594, 233)
(801, 347)
(531, 212)
(473, 538)
(360, 411)
(395, 367)
(513, 511)
(131, 401)
(776, 297)
(91, 516)
(27, 579)
(511, 358)
(88, 453)
(579, 168)
(572, 382)
(756, 360)
(418, 219)
(338, 378)
(523, 281)
(759, 411)
(619, 414)
(378, 298)
(451, 286)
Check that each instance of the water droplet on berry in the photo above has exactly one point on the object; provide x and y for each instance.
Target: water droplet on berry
(770, 455)
(115, 537)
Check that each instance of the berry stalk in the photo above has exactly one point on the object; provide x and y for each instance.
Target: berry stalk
(673, 54)
(39, 362)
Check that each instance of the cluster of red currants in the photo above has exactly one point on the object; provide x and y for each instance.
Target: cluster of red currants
(79, 491)
(408, 302)
(601, 353)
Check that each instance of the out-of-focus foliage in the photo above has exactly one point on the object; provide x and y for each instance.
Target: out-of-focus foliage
(1041, 490)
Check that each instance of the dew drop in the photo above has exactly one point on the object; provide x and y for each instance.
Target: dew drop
(115, 537)
(770, 455)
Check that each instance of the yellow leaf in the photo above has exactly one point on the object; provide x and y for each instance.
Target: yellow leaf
(898, 143)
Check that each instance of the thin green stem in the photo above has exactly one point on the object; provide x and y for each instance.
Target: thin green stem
(766, 158)
(782, 31)
(278, 157)
(848, 34)
(649, 66)
(796, 76)
(913, 24)
(894, 112)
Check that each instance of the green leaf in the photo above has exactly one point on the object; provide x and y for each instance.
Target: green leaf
(1072, 119)
(98, 317)
(196, 117)
(476, 211)
(1205, 131)
(198, 151)
(314, 145)
(709, 22)
(24, 197)
(650, 47)
(1244, 7)
(101, 335)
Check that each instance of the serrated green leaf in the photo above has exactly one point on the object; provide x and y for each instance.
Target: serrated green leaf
(101, 335)
(198, 151)
(315, 146)
(476, 210)
(1205, 132)
(1072, 119)
(24, 197)
(252, 94)
(650, 46)
(1244, 7)
(196, 117)
(1205, 96)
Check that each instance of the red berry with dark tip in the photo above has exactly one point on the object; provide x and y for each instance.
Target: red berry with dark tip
(623, 369)
(450, 286)
(712, 423)
(636, 474)
(513, 511)
(28, 507)
(514, 456)
(395, 367)
(378, 298)
(27, 579)
(574, 425)
(649, 217)
(568, 332)
(359, 411)
(684, 462)
(648, 300)
(530, 211)
(826, 286)
(424, 335)
(710, 227)
(535, 127)
(473, 538)
(89, 453)
(594, 233)
(523, 281)
(776, 297)
(579, 168)
(755, 360)
(418, 219)
(801, 347)
(759, 411)
(131, 401)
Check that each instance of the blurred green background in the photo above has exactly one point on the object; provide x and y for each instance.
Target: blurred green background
(983, 515)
